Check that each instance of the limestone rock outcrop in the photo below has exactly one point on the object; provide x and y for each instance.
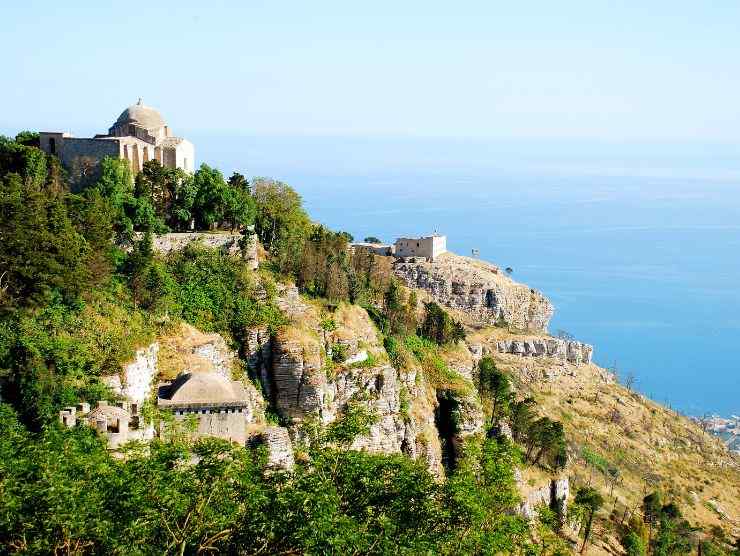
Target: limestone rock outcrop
(187, 349)
(478, 289)
(136, 378)
(555, 492)
(279, 448)
(296, 368)
(139, 375)
(566, 350)
(257, 350)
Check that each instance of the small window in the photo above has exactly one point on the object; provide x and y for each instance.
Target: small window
(52, 145)
(185, 163)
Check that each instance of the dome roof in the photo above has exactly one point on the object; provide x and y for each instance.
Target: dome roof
(141, 115)
(205, 388)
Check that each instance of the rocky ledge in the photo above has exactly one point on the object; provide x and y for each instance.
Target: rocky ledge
(565, 350)
(478, 289)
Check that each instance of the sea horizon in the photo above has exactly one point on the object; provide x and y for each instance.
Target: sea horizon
(635, 253)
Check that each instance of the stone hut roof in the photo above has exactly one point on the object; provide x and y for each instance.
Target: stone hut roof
(110, 412)
(203, 389)
(141, 115)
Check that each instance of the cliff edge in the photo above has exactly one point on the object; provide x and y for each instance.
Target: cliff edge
(477, 288)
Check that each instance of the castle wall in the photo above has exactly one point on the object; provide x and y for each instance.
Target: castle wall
(226, 423)
(74, 148)
(169, 157)
(428, 247)
(80, 156)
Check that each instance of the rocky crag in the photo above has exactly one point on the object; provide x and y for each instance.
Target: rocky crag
(478, 289)
(304, 382)
(300, 375)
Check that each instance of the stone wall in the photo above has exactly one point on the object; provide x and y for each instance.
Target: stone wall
(229, 425)
(81, 157)
(227, 242)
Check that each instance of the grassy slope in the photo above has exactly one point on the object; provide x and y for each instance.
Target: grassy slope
(650, 445)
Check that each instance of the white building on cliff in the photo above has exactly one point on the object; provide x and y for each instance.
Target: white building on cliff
(138, 135)
(429, 247)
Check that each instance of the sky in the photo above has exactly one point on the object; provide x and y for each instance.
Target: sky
(591, 70)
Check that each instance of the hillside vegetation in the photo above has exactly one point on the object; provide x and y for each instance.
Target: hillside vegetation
(81, 288)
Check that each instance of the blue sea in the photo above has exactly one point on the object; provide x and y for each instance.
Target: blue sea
(637, 246)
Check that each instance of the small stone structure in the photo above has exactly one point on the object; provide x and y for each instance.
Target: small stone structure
(119, 422)
(138, 135)
(382, 249)
(222, 406)
(429, 247)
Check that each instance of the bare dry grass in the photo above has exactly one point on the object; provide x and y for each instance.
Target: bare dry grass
(651, 446)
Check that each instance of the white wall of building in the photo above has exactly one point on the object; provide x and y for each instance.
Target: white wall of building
(430, 247)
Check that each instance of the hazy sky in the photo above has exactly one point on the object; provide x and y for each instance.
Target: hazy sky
(622, 70)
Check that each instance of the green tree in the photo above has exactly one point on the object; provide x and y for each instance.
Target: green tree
(439, 327)
(591, 501)
(497, 385)
(27, 138)
(546, 437)
(240, 209)
(482, 497)
(209, 207)
(281, 224)
(41, 252)
(633, 544)
(522, 416)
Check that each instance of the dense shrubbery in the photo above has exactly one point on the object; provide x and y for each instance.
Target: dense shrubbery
(543, 439)
(158, 501)
(318, 259)
(659, 529)
(439, 327)
(79, 292)
(74, 306)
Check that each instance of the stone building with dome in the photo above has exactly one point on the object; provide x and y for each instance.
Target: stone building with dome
(221, 406)
(138, 135)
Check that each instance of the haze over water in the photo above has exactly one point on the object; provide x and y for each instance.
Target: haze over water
(637, 250)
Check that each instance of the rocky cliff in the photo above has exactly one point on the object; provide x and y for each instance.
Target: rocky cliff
(303, 377)
(478, 289)
(565, 350)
